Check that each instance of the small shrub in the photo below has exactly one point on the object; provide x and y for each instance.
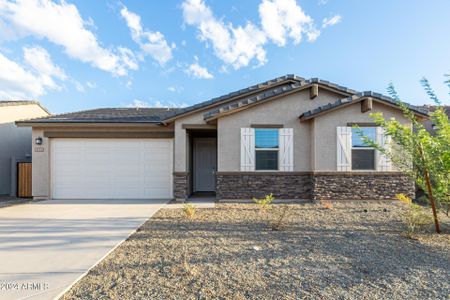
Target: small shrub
(276, 216)
(264, 203)
(326, 204)
(403, 198)
(280, 217)
(415, 216)
(189, 210)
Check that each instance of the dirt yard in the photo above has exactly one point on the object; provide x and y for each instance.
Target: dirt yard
(356, 250)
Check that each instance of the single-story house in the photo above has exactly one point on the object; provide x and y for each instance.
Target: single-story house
(15, 143)
(289, 136)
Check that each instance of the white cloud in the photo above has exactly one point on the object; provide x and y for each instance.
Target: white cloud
(236, 46)
(39, 60)
(138, 103)
(175, 89)
(38, 75)
(197, 71)
(157, 104)
(152, 43)
(45, 19)
(129, 84)
(332, 21)
(91, 84)
(79, 86)
(281, 19)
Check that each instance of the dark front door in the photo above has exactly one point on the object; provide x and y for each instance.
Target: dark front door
(205, 164)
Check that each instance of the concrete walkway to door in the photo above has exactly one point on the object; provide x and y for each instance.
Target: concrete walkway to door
(46, 246)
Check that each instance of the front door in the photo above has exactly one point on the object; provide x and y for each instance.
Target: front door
(205, 164)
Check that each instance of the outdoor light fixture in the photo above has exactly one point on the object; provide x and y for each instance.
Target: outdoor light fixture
(38, 141)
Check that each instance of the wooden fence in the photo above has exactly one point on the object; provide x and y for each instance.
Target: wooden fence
(24, 180)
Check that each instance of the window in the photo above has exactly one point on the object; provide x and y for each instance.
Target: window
(363, 156)
(266, 149)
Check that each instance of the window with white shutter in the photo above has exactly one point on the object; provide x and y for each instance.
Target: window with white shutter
(354, 154)
(267, 149)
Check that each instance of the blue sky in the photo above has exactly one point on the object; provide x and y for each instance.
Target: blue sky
(75, 55)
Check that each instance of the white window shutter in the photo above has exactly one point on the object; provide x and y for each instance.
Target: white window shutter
(344, 149)
(286, 146)
(383, 162)
(247, 149)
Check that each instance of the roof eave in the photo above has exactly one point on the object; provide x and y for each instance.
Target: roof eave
(302, 117)
(85, 124)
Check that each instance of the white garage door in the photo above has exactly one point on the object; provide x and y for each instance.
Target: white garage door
(111, 168)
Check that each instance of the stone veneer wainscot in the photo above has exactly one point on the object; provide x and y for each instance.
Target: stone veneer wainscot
(180, 186)
(361, 186)
(283, 185)
(313, 186)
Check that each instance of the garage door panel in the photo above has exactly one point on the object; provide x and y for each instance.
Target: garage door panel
(111, 168)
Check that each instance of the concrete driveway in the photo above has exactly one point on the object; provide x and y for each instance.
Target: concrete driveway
(46, 246)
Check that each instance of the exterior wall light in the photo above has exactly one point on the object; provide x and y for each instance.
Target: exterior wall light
(38, 141)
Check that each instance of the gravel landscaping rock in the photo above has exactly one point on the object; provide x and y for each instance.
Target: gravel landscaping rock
(230, 252)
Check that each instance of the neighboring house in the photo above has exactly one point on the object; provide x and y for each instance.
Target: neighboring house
(15, 143)
(288, 136)
(429, 126)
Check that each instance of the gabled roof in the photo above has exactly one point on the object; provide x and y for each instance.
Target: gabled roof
(260, 88)
(253, 99)
(354, 99)
(22, 102)
(240, 93)
(108, 115)
(272, 93)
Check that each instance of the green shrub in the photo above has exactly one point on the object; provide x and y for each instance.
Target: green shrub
(264, 203)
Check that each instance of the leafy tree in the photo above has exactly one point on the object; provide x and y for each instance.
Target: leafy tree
(422, 155)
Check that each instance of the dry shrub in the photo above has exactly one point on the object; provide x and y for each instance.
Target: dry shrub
(415, 217)
(189, 210)
(276, 216)
(280, 217)
(327, 204)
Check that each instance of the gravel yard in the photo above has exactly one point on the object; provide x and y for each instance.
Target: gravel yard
(229, 252)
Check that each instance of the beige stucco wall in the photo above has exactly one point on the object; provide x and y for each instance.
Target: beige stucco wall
(181, 149)
(285, 111)
(15, 141)
(324, 134)
(41, 166)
